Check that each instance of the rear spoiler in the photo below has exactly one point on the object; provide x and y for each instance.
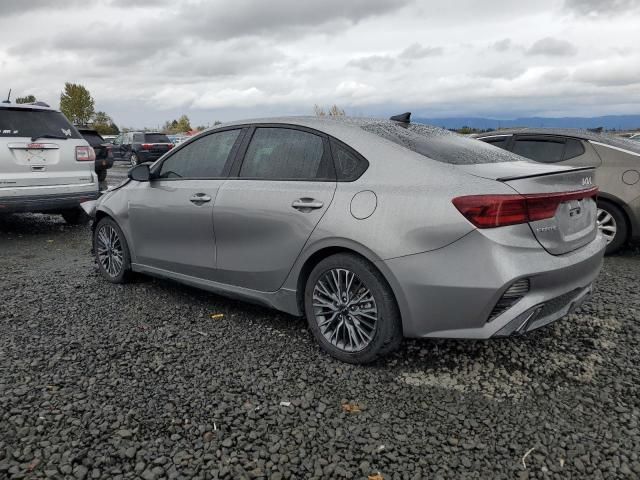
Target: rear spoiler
(568, 169)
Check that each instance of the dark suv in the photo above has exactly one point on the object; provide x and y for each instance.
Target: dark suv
(140, 147)
(104, 161)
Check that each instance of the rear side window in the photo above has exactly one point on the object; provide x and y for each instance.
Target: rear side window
(438, 144)
(156, 138)
(573, 148)
(284, 153)
(540, 150)
(205, 157)
(93, 138)
(20, 122)
(349, 166)
(501, 142)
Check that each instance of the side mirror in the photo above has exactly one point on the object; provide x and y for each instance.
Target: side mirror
(140, 173)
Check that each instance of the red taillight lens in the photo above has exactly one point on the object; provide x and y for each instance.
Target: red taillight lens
(147, 146)
(171, 145)
(490, 211)
(85, 154)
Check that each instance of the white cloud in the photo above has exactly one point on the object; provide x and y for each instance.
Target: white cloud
(146, 61)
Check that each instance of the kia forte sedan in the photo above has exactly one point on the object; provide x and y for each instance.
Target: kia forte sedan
(374, 230)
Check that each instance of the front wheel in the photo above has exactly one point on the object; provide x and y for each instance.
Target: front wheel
(351, 309)
(134, 160)
(613, 225)
(111, 251)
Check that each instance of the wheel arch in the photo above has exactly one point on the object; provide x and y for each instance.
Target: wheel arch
(306, 263)
(102, 213)
(632, 222)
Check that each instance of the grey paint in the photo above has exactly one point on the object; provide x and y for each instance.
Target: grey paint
(611, 156)
(446, 275)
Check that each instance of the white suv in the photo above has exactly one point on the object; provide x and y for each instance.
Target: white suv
(45, 164)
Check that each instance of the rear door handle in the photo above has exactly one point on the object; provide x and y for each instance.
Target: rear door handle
(307, 204)
(200, 198)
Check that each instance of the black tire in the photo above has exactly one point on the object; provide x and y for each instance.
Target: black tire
(387, 335)
(622, 226)
(75, 216)
(134, 160)
(102, 175)
(123, 275)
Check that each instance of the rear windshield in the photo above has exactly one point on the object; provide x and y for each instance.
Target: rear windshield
(439, 144)
(20, 122)
(93, 138)
(156, 138)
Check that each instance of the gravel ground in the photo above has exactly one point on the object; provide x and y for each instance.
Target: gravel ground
(107, 381)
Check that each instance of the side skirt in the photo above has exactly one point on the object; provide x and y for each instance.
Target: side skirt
(284, 300)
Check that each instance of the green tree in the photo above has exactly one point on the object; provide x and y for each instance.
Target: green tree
(184, 125)
(26, 99)
(104, 124)
(77, 104)
(180, 125)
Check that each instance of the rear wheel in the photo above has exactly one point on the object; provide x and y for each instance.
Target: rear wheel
(351, 309)
(134, 160)
(75, 216)
(102, 175)
(613, 225)
(111, 251)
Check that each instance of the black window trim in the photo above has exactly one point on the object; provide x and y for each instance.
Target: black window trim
(352, 151)
(155, 171)
(327, 156)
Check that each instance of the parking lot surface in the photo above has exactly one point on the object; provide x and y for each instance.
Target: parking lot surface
(159, 380)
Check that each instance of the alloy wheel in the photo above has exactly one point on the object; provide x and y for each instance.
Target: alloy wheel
(109, 250)
(345, 310)
(607, 225)
(134, 160)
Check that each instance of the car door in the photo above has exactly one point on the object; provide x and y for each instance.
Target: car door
(265, 214)
(171, 217)
(116, 149)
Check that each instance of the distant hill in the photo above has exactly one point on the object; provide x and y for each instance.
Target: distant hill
(609, 122)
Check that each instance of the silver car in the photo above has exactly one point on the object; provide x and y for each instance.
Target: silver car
(617, 164)
(374, 230)
(45, 164)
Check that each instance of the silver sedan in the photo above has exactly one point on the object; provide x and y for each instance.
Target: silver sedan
(374, 230)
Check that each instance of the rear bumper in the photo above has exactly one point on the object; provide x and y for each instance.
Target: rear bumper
(45, 203)
(452, 291)
(146, 156)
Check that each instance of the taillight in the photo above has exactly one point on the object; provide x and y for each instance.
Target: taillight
(85, 154)
(490, 211)
(171, 145)
(147, 146)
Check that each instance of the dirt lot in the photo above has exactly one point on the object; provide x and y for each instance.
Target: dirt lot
(99, 380)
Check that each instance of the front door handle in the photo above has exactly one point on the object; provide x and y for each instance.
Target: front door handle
(200, 198)
(307, 204)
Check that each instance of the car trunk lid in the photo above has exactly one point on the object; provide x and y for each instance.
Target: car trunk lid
(574, 223)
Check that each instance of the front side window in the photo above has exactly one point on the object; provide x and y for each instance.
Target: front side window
(284, 153)
(205, 157)
(540, 150)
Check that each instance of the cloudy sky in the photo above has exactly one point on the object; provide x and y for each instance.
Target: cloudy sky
(146, 61)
